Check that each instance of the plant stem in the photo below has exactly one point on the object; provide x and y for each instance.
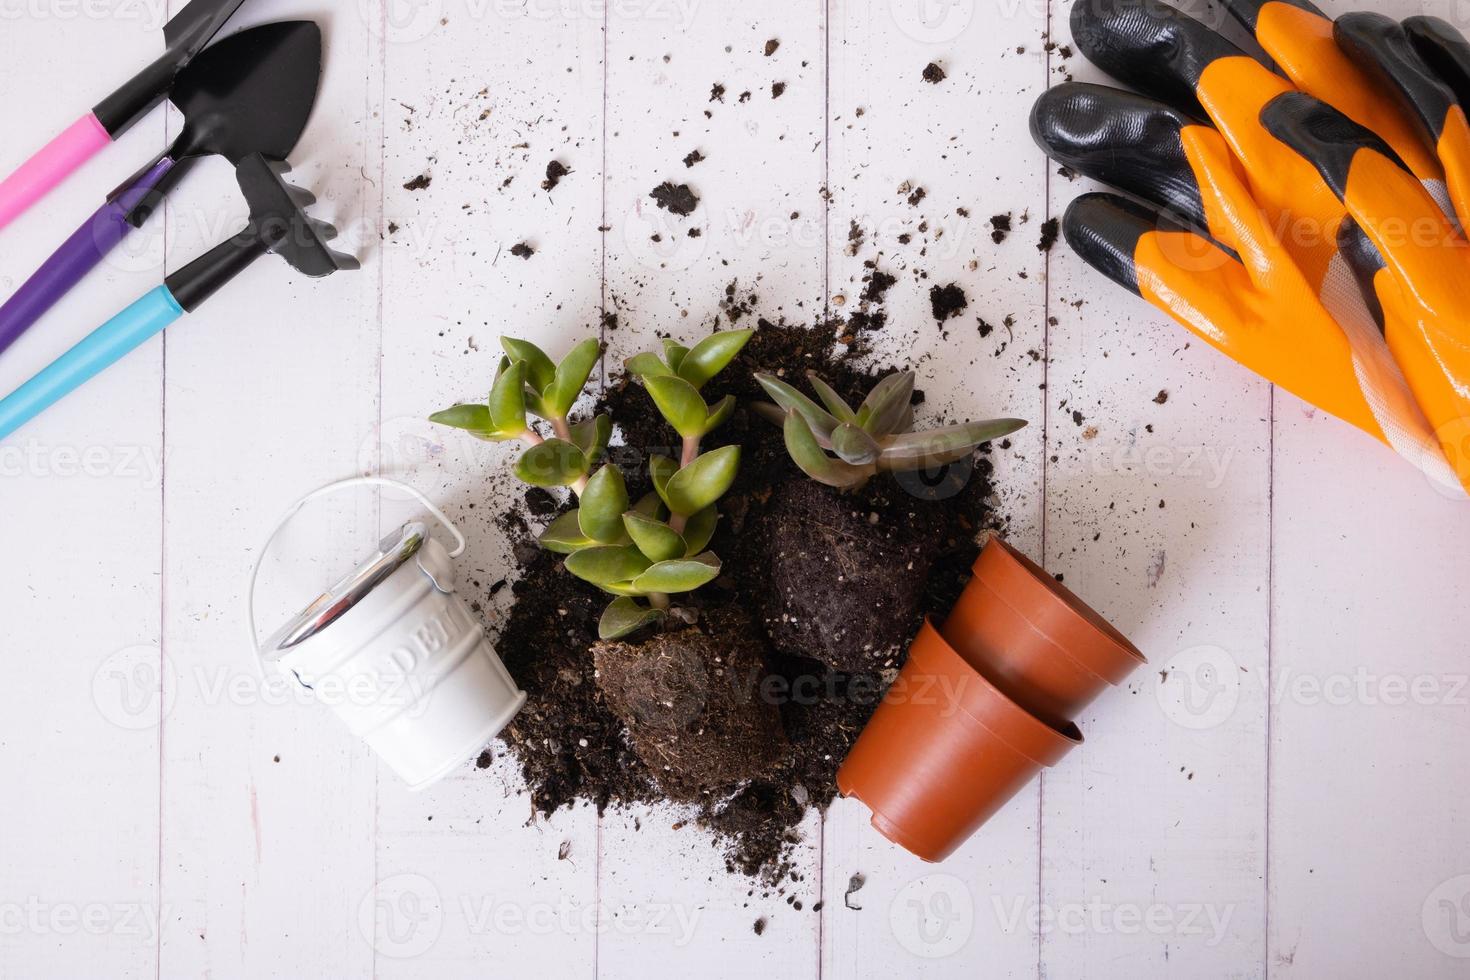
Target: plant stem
(691, 452)
(658, 600)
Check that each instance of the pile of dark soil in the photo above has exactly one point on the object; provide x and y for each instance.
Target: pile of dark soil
(911, 543)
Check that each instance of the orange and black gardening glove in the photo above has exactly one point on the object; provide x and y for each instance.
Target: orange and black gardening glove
(1318, 252)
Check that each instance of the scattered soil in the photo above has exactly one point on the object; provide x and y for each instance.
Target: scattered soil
(771, 46)
(571, 739)
(947, 301)
(419, 183)
(1000, 227)
(692, 158)
(521, 250)
(777, 88)
(555, 171)
(1161, 397)
(717, 92)
(1048, 234)
(676, 198)
(933, 74)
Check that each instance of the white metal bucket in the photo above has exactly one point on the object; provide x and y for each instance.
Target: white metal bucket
(395, 651)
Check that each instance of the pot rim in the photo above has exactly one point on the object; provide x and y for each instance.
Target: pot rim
(1053, 592)
(1060, 738)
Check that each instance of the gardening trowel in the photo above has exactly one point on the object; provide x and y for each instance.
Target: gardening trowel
(185, 35)
(278, 224)
(250, 93)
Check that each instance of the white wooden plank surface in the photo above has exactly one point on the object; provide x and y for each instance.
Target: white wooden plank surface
(1298, 593)
(79, 750)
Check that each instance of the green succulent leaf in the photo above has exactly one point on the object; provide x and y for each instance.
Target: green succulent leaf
(508, 400)
(654, 538)
(853, 445)
(680, 404)
(817, 418)
(647, 365)
(553, 463)
(662, 470)
(884, 407)
(622, 588)
(602, 504)
(703, 481)
(608, 565)
(674, 353)
(916, 450)
(699, 530)
(680, 575)
(474, 419)
(539, 369)
(651, 505)
(536, 405)
(624, 617)
(834, 402)
(592, 435)
(719, 415)
(564, 535)
(571, 377)
(712, 355)
(802, 444)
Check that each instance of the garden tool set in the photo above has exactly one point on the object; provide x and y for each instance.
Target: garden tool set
(246, 98)
(1307, 223)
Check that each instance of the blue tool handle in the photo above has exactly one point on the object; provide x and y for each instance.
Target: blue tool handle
(101, 349)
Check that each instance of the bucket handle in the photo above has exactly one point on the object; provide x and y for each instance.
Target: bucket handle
(358, 481)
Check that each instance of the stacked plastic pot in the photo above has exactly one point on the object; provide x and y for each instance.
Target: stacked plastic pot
(985, 702)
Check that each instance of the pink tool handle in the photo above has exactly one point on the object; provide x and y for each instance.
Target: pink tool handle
(38, 175)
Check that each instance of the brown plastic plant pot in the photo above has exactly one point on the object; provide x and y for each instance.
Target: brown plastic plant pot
(945, 750)
(1034, 639)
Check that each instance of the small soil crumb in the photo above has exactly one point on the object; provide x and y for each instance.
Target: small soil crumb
(933, 74)
(717, 92)
(555, 171)
(1161, 397)
(485, 760)
(564, 851)
(916, 196)
(677, 198)
(854, 885)
(522, 250)
(421, 182)
(760, 926)
(777, 88)
(947, 301)
(771, 46)
(878, 285)
(855, 237)
(1078, 418)
(692, 158)
(1048, 234)
(695, 232)
(1000, 227)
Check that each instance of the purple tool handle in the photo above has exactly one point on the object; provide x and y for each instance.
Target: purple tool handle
(81, 253)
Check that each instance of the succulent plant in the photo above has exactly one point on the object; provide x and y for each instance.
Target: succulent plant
(844, 447)
(646, 550)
